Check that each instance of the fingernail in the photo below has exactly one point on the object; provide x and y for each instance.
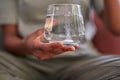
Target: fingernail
(77, 46)
(73, 48)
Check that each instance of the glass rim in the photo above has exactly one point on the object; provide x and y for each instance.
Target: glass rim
(64, 4)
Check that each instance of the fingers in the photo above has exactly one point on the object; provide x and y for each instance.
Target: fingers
(42, 56)
(56, 44)
(50, 46)
(48, 50)
(56, 47)
(59, 44)
(76, 46)
(63, 49)
(37, 33)
(40, 31)
(40, 37)
(68, 48)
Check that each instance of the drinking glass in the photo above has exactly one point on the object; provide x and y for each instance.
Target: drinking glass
(64, 23)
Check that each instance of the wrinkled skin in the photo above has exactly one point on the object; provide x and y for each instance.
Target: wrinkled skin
(45, 50)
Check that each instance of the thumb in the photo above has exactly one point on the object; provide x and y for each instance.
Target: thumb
(41, 37)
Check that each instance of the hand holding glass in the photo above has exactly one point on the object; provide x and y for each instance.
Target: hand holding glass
(64, 23)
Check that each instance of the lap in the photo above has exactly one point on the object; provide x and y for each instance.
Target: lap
(61, 68)
(6, 76)
(96, 68)
(14, 66)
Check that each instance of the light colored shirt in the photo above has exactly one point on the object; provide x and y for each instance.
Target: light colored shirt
(30, 15)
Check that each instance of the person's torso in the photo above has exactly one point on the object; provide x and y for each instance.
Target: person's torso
(32, 13)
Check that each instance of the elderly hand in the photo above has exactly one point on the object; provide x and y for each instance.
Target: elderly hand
(45, 50)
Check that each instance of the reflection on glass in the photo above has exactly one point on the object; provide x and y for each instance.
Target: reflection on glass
(64, 23)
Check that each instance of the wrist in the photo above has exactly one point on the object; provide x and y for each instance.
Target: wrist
(26, 48)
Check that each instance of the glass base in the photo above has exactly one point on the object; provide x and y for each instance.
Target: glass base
(67, 42)
(70, 42)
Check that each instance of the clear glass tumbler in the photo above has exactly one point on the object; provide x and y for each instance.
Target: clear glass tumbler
(64, 23)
